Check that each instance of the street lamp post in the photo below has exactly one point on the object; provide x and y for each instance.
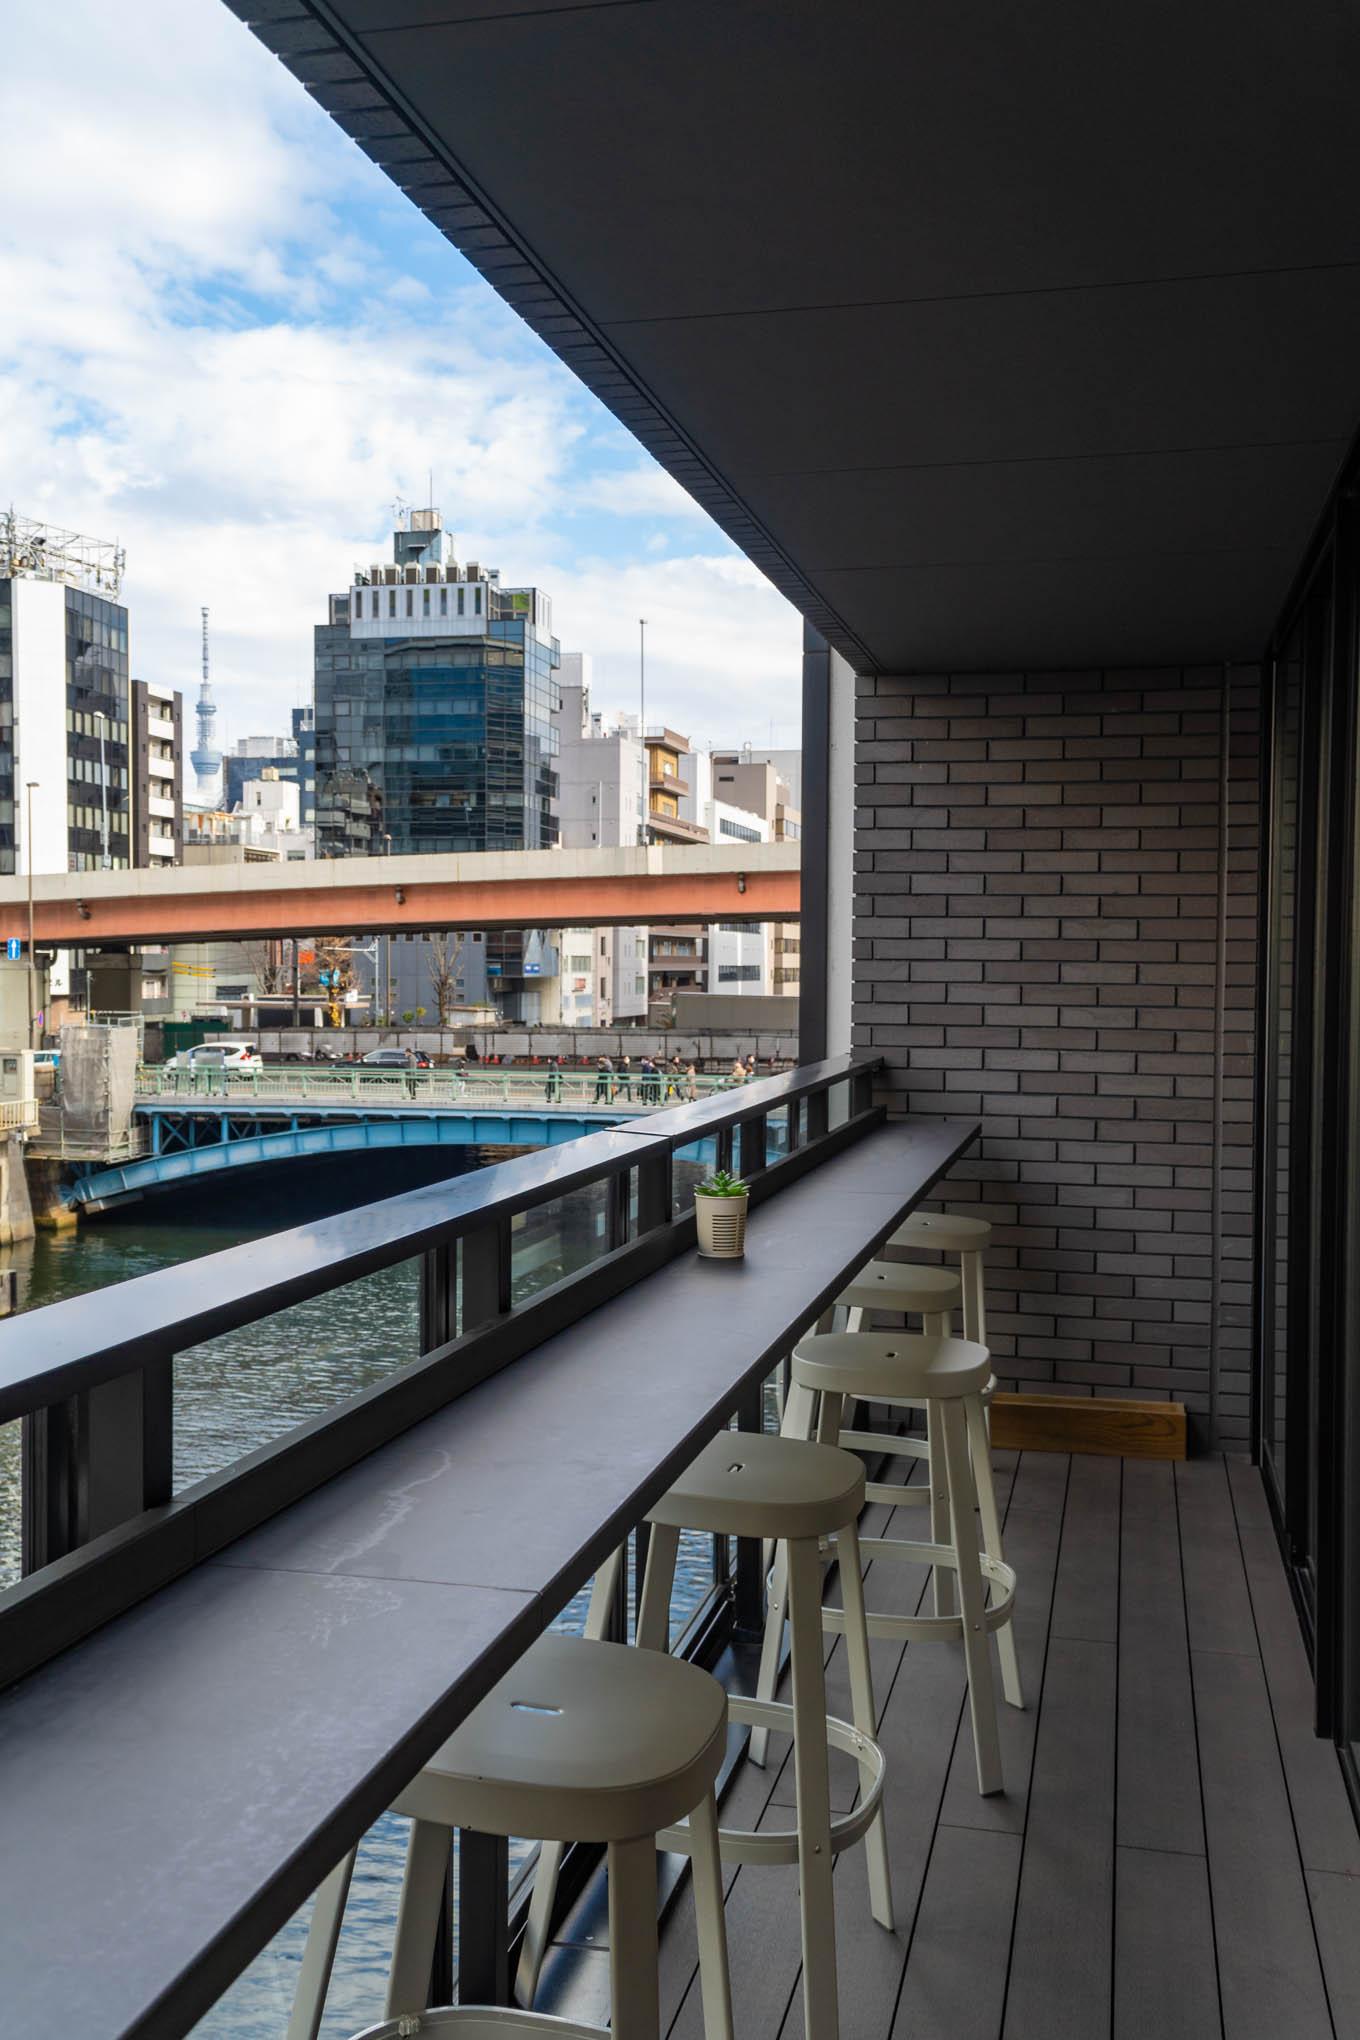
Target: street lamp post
(642, 725)
(386, 961)
(30, 788)
(105, 861)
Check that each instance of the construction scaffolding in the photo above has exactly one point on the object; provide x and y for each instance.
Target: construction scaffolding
(46, 552)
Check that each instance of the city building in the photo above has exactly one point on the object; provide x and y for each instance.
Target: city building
(434, 694)
(293, 758)
(762, 787)
(157, 774)
(603, 972)
(65, 701)
(687, 804)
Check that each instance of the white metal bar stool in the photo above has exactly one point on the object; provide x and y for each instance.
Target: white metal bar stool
(933, 1295)
(949, 1232)
(948, 1375)
(582, 1741)
(749, 1484)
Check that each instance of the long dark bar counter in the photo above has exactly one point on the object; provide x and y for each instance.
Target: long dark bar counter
(174, 1786)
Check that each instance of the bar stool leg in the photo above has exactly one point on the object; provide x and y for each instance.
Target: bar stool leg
(979, 1446)
(864, 1713)
(821, 2017)
(776, 1608)
(422, 1894)
(799, 1412)
(635, 2011)
(547, 1870)
(658, 1578)
(972, 1599)
(318, 1957)
(711, 1921)
(942, 1579)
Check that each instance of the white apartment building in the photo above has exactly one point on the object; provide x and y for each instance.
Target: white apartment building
(602, 980)
(269, 816)
(741, 954)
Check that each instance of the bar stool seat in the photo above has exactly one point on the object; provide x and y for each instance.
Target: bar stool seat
(947, 1232)
(898, 1365)
(582, 1741)
(902, 1286)
(468, 2023)
(749, 1484)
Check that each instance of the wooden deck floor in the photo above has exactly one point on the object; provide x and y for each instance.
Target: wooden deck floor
(1174, 1856)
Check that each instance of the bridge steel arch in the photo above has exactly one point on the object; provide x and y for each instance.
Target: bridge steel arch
(124, 1181)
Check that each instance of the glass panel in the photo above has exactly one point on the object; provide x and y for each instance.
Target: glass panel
(1287, 734)
(777, 1141)
(690, 1165)
(250, 1386)
(557, 1239)
(838, 1103)
(10, 1527)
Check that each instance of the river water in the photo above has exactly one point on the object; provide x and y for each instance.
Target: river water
(231, 1395)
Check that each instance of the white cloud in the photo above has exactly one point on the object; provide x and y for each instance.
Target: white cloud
(214, 350)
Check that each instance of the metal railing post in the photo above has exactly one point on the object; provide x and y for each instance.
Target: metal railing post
(752, 1151)
(654, 1189)
(483, 1919)
(96, 1460)
(485, 1263)
(748, 1591)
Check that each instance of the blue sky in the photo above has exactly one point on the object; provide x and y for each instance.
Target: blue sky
(230, 343)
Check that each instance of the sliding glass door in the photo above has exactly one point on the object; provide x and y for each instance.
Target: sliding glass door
(1308, 1126)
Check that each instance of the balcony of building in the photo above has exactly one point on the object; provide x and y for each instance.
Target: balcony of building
(674, 828)
(1039, 403)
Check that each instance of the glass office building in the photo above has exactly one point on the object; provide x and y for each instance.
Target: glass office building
(65, 701)
(435, 688)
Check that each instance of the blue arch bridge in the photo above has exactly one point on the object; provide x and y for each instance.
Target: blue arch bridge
(188, 1140)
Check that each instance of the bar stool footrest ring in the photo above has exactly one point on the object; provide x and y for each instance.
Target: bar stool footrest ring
(931, 1628)
(780, 1845)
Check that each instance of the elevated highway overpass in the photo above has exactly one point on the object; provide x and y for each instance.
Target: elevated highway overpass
(407, 895)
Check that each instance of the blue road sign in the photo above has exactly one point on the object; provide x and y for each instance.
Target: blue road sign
(14, 949)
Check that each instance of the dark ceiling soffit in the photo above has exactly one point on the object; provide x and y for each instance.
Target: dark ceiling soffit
(334, 68)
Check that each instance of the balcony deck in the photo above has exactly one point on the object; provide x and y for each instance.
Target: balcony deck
(1175, 1856)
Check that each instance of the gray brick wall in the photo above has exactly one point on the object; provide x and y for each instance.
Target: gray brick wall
(1055, 932)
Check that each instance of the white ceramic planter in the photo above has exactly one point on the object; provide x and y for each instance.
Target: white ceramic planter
(721, 1223)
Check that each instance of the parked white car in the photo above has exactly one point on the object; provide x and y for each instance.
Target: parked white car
(228, 1057)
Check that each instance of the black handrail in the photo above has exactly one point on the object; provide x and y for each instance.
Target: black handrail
(93, 1376)
(72, 1346)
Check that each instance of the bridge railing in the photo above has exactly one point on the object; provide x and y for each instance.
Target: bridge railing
(470, 1089)
(93, 1377)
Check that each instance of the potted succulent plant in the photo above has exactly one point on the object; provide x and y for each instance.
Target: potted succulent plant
(720, 1216)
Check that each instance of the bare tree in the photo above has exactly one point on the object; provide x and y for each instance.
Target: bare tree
(265, 963)
(444, 955)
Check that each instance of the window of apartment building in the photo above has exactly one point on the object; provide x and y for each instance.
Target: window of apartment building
(740, 927)
(424, 601)
(460, 601)
(410, 601)
(739, 831)
(738, 973)
(391, 601)
(443, 602)
(639, 986)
